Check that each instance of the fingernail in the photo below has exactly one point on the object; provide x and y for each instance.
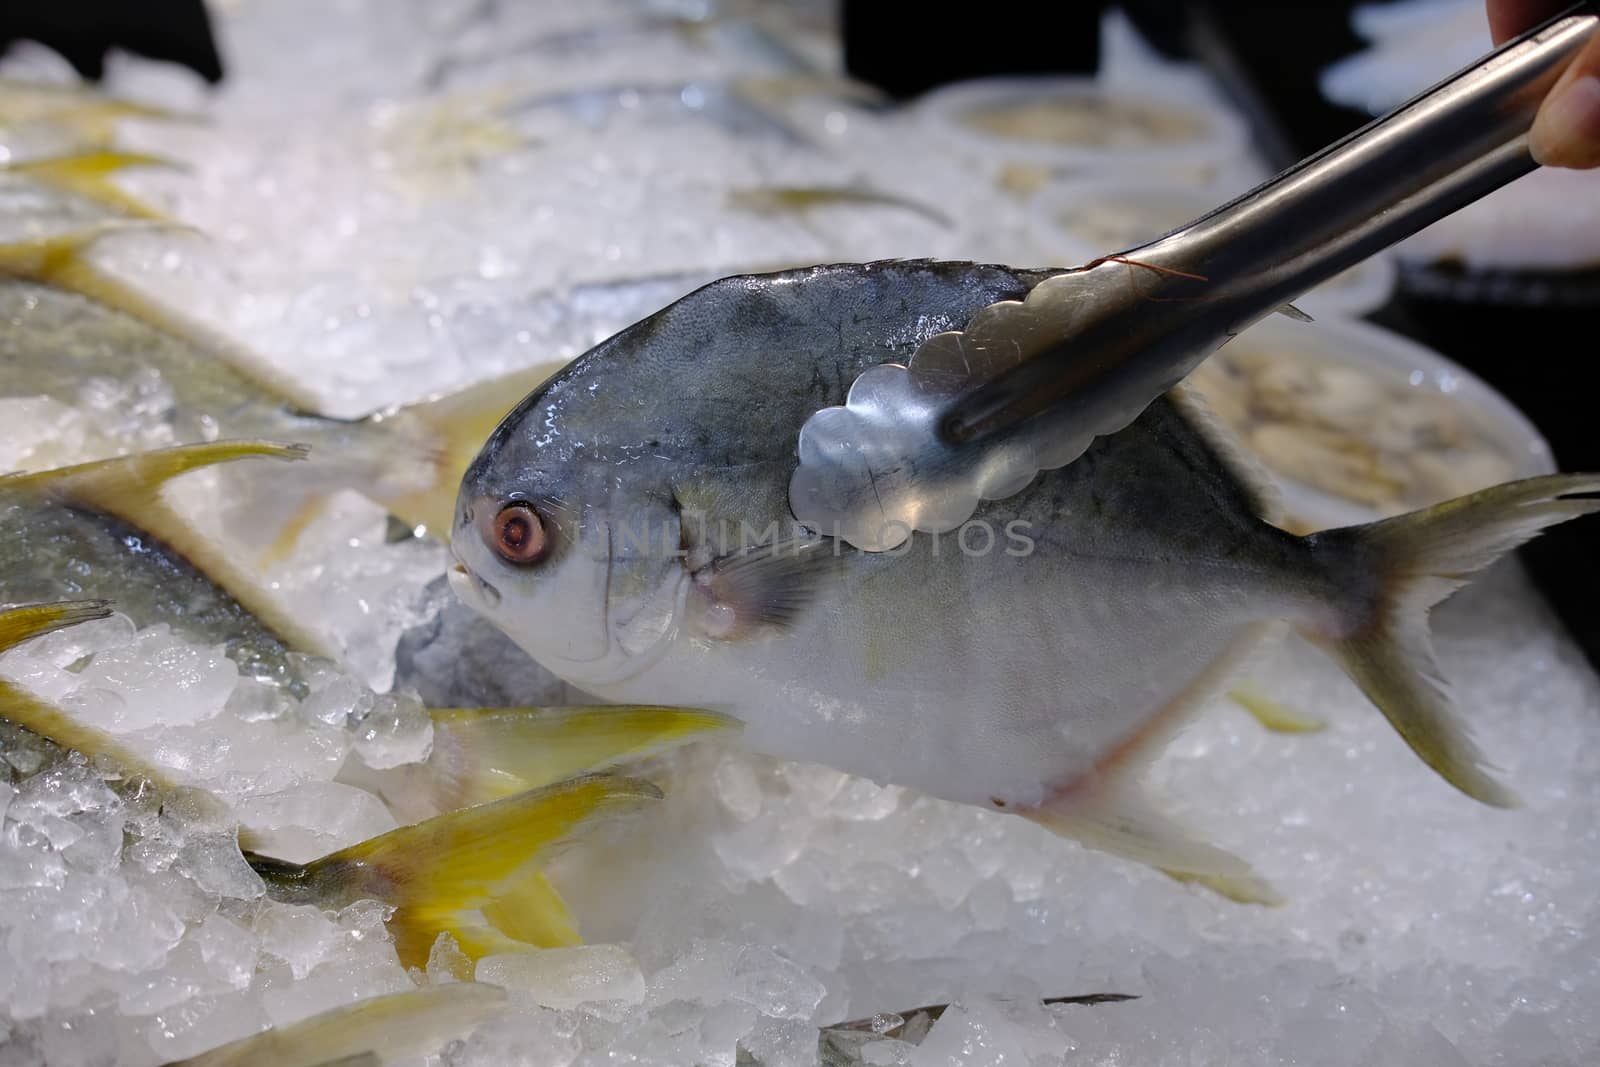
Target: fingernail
(1567, 131)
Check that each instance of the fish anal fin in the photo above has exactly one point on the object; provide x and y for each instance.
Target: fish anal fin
(449, 431)
(1118, 819)
(1105, 808)
(1273, 715)
(764, 585)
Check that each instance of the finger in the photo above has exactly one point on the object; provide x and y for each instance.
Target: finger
(1566, 132)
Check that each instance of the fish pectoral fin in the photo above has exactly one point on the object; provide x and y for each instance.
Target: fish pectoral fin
(88, 175)
(1289, 311)
(484, 754)
(1279, 718)
(1118, 819)
(764, 585)
(440, 874)
(447, 432)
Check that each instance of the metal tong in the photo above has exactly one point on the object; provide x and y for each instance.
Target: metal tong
(1029, 384)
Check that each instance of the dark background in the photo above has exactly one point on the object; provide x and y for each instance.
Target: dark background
(1534, 337)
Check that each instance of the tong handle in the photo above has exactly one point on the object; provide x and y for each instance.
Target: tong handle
(1209, 280)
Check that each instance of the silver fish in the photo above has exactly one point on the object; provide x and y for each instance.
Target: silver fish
(628, 526)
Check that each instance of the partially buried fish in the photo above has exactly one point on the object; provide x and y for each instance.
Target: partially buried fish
(628, 524)
(72, 326)
(102, 530)
(368, 1032)
(475, 874)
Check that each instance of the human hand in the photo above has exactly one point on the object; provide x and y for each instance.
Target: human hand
(1567, 130)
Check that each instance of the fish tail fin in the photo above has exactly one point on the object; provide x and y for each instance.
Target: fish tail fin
(89, 175)
(458, 873)
(131, 489)
(447, 432)
(1395, 570)
(22, 708)
(34, 620)
(61, 261)
(127, 485)
(484, 754)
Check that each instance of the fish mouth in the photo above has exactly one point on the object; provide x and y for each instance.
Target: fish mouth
(472, 589)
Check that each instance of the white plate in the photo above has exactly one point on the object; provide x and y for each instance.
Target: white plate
(1402, 364)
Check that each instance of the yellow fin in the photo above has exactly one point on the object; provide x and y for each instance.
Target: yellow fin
(130, 488)
(483, 754)
(1272, 715)
(1395, 570)
(61, 261)
(26, 710)
(414, 1023)
(88, 176)
(438, 875)
(1107, 810)
(35, 620)
(1241, 890)
(534, 913)
(452, 429)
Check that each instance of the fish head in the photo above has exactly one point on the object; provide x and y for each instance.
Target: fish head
(573, 550)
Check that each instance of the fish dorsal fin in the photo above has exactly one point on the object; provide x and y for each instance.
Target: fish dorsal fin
(88, 175)
(413, 1023)
(61, 261)
(1264, 496)
(439, 874)
(451, 429)
(129, 488)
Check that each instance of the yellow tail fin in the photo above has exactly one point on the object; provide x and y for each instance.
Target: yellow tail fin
(440, 875)
(409, 1024)
(452, 429)
(483, 754)
(61, 261)
(89, 176)
(35, 620)
(130, 488)
(21, 707)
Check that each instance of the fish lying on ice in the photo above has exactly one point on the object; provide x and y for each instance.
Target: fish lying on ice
(628, 524)
(72, 323)
(101, 530)
(474, 873)
(371, 1031)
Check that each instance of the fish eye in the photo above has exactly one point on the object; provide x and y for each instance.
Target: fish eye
(517, 534)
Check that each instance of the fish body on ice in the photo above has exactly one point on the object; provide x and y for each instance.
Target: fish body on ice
(72, 327)
(628, 524)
